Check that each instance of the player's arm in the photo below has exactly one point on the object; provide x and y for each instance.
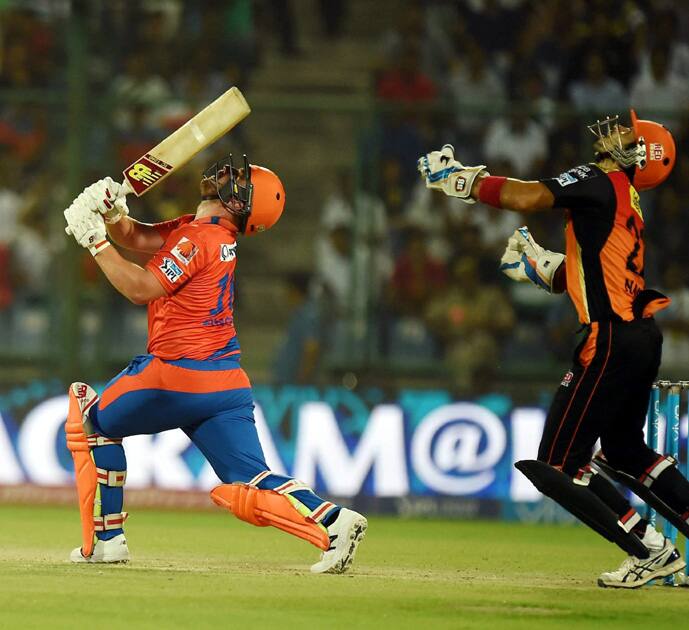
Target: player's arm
(135, 235)
(473, 183)
(512, 194)
(107, 197)
(582, 188)
(88, 228)
(137, 284)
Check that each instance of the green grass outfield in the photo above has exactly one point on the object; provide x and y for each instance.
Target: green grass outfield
(207, 570)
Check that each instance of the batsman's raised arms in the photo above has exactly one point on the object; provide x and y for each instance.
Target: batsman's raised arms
(226, 112)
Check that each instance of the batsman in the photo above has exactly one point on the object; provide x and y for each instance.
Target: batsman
(606, 392)
(190, 378)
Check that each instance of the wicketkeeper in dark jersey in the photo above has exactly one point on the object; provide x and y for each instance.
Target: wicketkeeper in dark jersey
(606, 393)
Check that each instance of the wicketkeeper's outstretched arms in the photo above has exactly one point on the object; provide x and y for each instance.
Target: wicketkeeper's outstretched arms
(86, 223)
(443, 172)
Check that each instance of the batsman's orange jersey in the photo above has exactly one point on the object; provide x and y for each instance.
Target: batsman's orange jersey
(604, 235)
(196, 267)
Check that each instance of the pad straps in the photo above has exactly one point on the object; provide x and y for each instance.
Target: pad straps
(291, 486)
(109, 521)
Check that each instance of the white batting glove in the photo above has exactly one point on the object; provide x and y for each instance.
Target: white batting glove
(442, 172)
(86, 226)
(108, 198)
(525, 260)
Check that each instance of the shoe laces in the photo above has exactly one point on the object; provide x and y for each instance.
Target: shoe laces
(627, 564)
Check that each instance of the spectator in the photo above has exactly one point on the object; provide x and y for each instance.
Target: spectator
(471, 318)
(597, 93)
(139, 86)
(333, 14)
(404, 81)
(660, 92)
(299, 355)
(664, 31)
(474, 86)
(518, 142)
(675, 320)
(335, 259)
(417, 276)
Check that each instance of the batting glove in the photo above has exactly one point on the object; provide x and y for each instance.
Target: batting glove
(442, 172)
(86, 226)
(108, 198)
(525, 260)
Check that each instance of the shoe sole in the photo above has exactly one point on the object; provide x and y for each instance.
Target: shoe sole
(674, 567)
(100, 562)
(357, 532)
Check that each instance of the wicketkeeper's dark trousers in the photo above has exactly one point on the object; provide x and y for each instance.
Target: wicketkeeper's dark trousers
(605, 395)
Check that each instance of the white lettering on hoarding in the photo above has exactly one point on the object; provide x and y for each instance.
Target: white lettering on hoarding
(37, 440)
(527, 427)
(321, 449)
(454, 450)
(446, 448)
(10, 471)
(269, 451)
(157, 460)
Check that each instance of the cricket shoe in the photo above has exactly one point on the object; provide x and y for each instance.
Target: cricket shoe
(664, 560)
(104, 551)
(345, 535)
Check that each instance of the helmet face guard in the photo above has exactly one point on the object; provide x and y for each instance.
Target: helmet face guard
(649, 149)
(237, 199)
(611, 141)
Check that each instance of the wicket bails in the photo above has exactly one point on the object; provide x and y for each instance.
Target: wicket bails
(671, 423)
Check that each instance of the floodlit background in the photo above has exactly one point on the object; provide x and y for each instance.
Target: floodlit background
(390, 357)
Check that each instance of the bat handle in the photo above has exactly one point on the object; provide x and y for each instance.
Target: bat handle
(127, 188)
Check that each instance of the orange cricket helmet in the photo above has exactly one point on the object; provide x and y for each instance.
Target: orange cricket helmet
(648, 148)
(257, 203)
(267, 202)
(659, 153)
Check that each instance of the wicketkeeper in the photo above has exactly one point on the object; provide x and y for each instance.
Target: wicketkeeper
(606, 392)
(190, 378)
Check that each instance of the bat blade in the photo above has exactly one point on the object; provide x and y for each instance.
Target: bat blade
(182, 145)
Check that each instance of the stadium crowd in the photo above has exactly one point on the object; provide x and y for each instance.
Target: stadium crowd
(513, 81)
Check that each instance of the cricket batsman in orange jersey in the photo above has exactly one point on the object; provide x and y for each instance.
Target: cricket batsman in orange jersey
(606, 393)
(190, 378)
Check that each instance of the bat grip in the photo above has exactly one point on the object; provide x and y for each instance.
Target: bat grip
(127, 188)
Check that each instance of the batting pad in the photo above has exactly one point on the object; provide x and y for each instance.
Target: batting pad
(267, 507)
(645, 493)
(582, 503)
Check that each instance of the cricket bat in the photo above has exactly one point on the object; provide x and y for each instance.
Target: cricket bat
(182, 145)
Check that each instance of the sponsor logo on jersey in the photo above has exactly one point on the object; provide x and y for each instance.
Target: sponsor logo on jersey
(565, 179)
(635, 201)
(171, 270)
(567, 379)
(228, 252)
(184, 251)
(576, 174)
(656, 151)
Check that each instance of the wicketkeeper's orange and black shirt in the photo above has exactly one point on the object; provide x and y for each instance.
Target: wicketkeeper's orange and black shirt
(605, 243)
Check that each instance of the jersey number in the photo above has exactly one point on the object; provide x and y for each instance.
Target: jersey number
(223, 286)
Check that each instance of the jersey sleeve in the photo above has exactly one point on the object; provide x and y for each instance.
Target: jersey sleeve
(178, 260)
(580, 188)
(165, 228)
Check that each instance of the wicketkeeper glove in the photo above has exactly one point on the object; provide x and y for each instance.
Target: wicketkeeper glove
(525, 260)
(86, 226)
(442, 172)
(108, 199)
